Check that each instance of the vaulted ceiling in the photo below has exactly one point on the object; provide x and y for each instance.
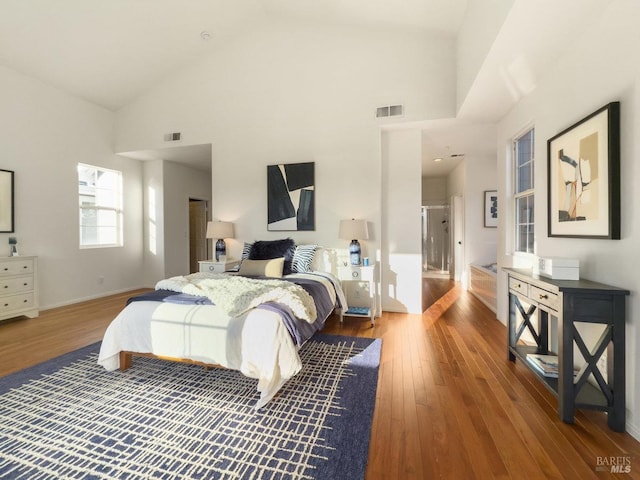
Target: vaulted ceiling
(109, 52)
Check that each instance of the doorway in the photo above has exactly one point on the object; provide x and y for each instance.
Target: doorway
(436, 241)
(198, 244)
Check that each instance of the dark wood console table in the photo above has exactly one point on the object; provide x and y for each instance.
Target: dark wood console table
(568, 302)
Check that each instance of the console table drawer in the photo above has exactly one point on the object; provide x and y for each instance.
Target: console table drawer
(519, 286)
(544, 297)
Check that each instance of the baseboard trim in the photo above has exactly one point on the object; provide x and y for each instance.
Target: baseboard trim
(90, 297)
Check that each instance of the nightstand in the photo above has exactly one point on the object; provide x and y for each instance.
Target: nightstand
(212, 266)
(359, 285)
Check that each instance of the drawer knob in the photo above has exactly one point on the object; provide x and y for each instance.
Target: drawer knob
(6, 269)
(543, 296)
(518, 285)
(6, 286)
(6, 304)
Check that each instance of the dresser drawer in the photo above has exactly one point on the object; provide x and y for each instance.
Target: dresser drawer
(519, 286)
(544, 297)
(16, 302)
(16, 267)
(9, 286)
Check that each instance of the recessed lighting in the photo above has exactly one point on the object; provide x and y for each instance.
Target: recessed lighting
(437, 159)
(204, 35)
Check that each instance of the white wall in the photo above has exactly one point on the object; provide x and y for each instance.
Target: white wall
(291, 93)
(602, 65)
(481, 242)
(168, 187)
(45, 134)
(154, 224)
(434, 191)
(180, 184)
(401, 260)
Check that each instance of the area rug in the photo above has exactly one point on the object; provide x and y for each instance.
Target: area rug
(69, 418)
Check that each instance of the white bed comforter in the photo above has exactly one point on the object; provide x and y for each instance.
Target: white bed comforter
(256, 343)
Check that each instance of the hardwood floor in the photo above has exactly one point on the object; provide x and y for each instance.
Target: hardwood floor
(449, 404)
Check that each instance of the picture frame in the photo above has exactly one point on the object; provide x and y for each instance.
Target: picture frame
(291, 197)
(491, 209)
(7, 217)
(583, 173)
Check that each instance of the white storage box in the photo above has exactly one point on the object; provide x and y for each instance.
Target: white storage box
(557, 268)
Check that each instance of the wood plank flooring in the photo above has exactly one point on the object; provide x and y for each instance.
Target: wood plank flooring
(449, 404)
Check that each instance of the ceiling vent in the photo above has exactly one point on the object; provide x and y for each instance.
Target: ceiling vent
(172, 137)
(390, 111)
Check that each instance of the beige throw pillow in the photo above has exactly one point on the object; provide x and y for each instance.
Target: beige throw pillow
(267, 268)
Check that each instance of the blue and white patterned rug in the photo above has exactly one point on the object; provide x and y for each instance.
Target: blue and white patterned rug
(69, 418)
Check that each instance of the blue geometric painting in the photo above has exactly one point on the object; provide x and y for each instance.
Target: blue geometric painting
(291, 197)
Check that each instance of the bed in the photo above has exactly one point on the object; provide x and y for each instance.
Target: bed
(482, 283)
(243, 321)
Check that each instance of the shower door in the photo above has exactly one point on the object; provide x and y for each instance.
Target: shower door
(435, 240)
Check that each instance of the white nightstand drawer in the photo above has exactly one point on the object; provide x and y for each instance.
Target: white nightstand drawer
(218, 267)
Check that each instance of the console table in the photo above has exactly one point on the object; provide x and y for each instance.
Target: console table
(568, 302)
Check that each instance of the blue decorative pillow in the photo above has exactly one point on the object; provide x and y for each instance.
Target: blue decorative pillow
(268, 249)
(303, 257)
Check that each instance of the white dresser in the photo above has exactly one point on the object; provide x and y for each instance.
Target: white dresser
(18, 287)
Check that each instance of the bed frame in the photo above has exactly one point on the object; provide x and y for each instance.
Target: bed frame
(126, 358)
(482, 285)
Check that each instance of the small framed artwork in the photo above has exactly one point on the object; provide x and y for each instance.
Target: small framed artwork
(583, 165)
(490, 209)
(6, 201)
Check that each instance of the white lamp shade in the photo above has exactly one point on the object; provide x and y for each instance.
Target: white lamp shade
(353, 230)
(220, 230)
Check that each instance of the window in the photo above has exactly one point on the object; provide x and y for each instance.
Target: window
(100, 196)
(523, 154)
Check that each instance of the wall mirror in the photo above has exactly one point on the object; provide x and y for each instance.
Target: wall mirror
(6, 201)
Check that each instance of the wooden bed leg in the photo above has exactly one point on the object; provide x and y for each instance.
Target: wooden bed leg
(125, 360)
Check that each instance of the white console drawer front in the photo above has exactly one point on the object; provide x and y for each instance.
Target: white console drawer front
(16, 302)
(13, 285)
(519, 286)
(16, 267)
(544, 297)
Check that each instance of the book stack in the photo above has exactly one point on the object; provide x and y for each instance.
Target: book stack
(547, 365)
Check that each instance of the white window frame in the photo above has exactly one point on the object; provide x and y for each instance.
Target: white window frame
(528, 194)
(115, 206)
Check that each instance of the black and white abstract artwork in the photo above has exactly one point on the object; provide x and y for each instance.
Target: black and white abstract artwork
(291, 197)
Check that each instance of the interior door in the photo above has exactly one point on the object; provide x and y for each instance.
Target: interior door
(456, 268)
(198, 245)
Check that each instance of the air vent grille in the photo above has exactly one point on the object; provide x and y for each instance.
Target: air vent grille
(172, 137)
(390, 111)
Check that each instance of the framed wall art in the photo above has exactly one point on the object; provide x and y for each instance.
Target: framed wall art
(583, 165)
(490, 209)
(291, 197)
(7, 221)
